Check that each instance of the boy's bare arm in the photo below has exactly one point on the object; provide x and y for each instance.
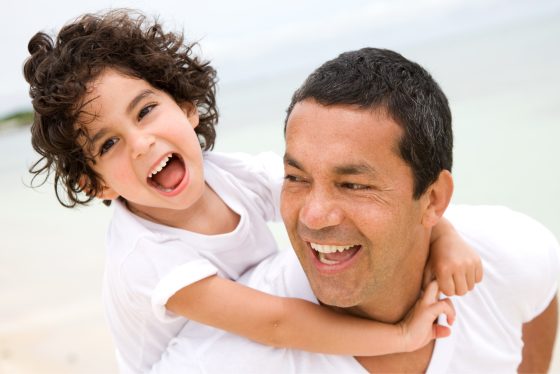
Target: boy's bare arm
(452, 262)
(299, 324)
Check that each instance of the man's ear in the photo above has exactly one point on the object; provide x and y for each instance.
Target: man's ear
(191, 111)
(437, 198)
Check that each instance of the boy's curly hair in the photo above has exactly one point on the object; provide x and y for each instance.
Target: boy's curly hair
(60, 71)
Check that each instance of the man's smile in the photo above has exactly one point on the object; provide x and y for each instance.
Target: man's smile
(331, 258)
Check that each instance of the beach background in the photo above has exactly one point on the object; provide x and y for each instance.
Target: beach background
(498, 61)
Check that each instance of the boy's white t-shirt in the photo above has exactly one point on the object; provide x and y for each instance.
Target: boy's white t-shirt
(148, 262)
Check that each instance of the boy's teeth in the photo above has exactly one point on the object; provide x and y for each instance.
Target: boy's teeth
(330, 248)
(161, 165)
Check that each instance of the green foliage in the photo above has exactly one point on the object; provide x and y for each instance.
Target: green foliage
(22, 117)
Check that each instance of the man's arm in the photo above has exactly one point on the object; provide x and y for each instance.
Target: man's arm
(538, 339)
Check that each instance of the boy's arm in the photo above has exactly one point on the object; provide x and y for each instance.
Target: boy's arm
(299, 324)
(452, 262)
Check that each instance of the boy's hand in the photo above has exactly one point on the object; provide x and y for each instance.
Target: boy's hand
(419, 327)
(453, 263)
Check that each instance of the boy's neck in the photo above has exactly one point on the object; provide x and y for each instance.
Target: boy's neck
(210, 215)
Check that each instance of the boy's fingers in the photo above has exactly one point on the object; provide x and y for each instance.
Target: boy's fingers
(446, 285)
(461, 287)
(441, 331)
(479, 272)
(452, 313)
(471, 276)
(430, 293)
(428, 277)
(444, 306)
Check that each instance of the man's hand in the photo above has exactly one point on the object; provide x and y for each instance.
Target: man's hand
(419, 326)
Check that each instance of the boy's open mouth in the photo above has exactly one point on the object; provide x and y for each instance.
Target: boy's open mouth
(168, 174)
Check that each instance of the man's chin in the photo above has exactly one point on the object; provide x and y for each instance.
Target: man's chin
(340, 299)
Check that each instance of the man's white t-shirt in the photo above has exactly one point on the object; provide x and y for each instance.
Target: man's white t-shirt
(148, 262)
(521, 266)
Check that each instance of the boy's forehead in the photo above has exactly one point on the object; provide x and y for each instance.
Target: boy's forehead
(110, 92)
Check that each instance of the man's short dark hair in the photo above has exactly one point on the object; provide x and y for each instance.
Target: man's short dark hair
(373, 78)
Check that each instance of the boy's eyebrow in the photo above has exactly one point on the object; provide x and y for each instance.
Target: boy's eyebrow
(98, 135)
(101, 133)
(138, 98)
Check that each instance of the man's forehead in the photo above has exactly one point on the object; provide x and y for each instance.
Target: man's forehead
(340, 124)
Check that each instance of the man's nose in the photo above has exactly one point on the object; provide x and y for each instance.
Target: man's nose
(320, 210)
(141, 143)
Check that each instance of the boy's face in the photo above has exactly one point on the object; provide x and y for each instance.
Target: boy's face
(144, 143)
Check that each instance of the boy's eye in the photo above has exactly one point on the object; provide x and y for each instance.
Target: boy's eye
(105, 147)
(145, 110)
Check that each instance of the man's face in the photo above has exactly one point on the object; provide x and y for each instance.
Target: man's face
(348, 206)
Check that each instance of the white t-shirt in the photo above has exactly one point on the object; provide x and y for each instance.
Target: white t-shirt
(148, 262)
(521, 266)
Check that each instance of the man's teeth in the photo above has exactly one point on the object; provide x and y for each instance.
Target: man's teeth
(330, 248)
(325, 260)
(161, 165)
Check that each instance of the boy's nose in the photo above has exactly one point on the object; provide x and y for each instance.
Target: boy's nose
(142, 144)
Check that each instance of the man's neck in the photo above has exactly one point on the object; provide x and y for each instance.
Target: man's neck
(392, 303)
(391, 306)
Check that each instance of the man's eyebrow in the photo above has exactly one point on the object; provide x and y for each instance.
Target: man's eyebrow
(288, 160)
(350, 169)
(355, 169)
(138, 98)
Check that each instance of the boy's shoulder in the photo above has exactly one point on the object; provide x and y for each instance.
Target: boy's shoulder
(126, 230)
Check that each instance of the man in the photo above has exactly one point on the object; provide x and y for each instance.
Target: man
(367, 163)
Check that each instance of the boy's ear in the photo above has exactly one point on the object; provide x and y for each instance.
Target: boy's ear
(191, 111)
(107, 193)
(437, 198)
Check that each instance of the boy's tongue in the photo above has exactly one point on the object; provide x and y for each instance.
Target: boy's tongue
(170, 176)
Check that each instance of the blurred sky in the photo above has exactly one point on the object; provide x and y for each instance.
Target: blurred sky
(249, 38)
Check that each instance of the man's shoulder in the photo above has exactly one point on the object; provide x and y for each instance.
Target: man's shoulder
(498, 228)
(520, 257)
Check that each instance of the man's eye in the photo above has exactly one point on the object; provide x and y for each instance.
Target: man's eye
(146, 110)
(105, 147)
(354, 186)
(293, 178)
